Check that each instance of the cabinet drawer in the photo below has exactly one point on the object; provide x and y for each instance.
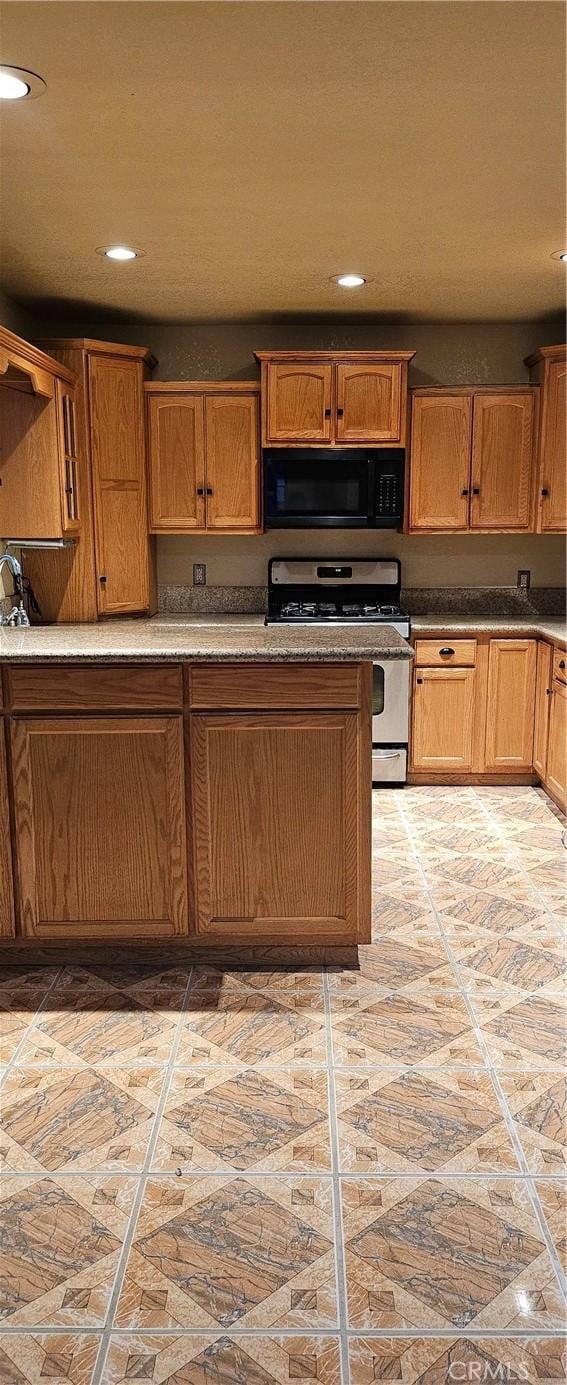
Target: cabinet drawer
(92, 687)
(560, 665)
(258, 686)
(445, 652)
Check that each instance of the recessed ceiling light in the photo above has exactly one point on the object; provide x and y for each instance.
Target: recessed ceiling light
(349, 281)
(119, 252)
(17, 82)
(560, 255)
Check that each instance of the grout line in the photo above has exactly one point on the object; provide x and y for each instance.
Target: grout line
(97, 1378)
(341, 1285)
(416, 1333)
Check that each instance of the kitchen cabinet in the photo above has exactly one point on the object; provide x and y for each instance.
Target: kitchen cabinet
(275, 812)
(38, 460)
(556, 770)
(334, 398)
(510, 704)
(542, 708)
(548, 369)
(111, 570)
(6, 894)
(443, 719)
(100, 826)
(472, 463)
(203, 455)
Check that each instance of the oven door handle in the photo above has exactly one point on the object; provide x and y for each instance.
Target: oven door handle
(387, 754)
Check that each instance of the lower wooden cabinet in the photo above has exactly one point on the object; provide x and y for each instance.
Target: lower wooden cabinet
(279, 805)
(510, 704)
(443, 719)
(100, 826)
(556, 769)
(6, 896)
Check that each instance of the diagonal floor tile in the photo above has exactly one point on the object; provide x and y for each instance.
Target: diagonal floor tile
(63, 1358)
(445, 1253)
(246, 1028)
(223, 1252)
(538, 1103)
(431, 1119)
(253, 1119)
(436, 1361)
(202, 1358)
(530, 1034)
(110, 1027)
(429, 1030)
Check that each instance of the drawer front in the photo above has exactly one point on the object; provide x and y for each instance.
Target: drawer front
(261, 686)
(92, 687)
(445, 652)
(560, 665)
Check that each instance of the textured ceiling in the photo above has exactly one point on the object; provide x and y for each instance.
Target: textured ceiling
(255, 149)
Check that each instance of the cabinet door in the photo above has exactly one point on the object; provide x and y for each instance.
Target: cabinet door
(510, 704)
(119, 484)
(369, 403)
(176, 460)
(556, 775)
(233, 490)
(298, 402)
(100, 826)
(544, 676)
(276, 816)
(440, 461)
(553, 470)
(443, 719)
(6, 898)
(30, 466)
(502, 461)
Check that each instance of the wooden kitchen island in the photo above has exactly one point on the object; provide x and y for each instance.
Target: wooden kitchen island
(172, 783)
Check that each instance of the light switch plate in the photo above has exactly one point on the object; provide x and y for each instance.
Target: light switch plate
(199, 574)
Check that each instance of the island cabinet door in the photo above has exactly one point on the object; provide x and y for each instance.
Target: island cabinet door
(100, 826)
(276, 825)
(369, 402)
(503, 460)
(510, 704)
(298, 402)
(443, 720)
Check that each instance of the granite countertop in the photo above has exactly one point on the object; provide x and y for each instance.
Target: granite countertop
(532, 627)
(215, 638)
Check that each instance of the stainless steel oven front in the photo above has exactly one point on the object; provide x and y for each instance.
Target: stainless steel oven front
(390, 721)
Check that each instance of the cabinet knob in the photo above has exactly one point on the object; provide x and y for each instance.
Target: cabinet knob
(476, 490)
(549, 692)
(562, 663)
(327, 413)
(466, 491)
(102, 580)
(200, 490)
(446, 651)
(419, 680)
(209, 490)
(340, 413)
(545, 491)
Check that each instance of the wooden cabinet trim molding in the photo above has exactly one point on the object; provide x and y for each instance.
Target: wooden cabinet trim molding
(96, 347)
(202, 387)
(345, 357)
(40, 368)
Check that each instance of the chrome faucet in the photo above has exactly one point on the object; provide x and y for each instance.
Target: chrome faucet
(18, 615)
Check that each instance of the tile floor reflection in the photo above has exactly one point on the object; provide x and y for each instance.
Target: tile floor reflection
(333, 1175)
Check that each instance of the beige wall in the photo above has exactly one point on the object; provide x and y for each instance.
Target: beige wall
(473, 560)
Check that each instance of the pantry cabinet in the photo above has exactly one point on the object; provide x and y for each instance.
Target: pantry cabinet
(334, 398)
(111, 571)
(443, 720)
(510, 704)
(203, 457)
(472, 463)
(100, 826)
(38, 459)
(548, 368)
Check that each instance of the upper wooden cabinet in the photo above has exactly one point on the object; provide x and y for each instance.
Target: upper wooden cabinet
(334, 397)
(112, 570)
(203, 453)
(472, 459)
(38, 458)
(548, 368)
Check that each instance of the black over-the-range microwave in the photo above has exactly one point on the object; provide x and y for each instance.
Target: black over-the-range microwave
(333, 488)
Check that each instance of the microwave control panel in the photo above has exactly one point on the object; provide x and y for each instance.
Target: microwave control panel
(388, 494)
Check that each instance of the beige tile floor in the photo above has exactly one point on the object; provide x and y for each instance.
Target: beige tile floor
(334, 1175)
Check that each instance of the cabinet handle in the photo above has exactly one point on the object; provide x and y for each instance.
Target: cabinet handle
(549, 692)
(447, 651)
(209, 490)
(340, 413)
(562, 663)
(476, 490)
(419, 680)
(545, 491)
(102, 580)
(200, 490)
(465, 492)
(327, 413)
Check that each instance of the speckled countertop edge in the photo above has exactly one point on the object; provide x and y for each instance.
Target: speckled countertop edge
(538, 627)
